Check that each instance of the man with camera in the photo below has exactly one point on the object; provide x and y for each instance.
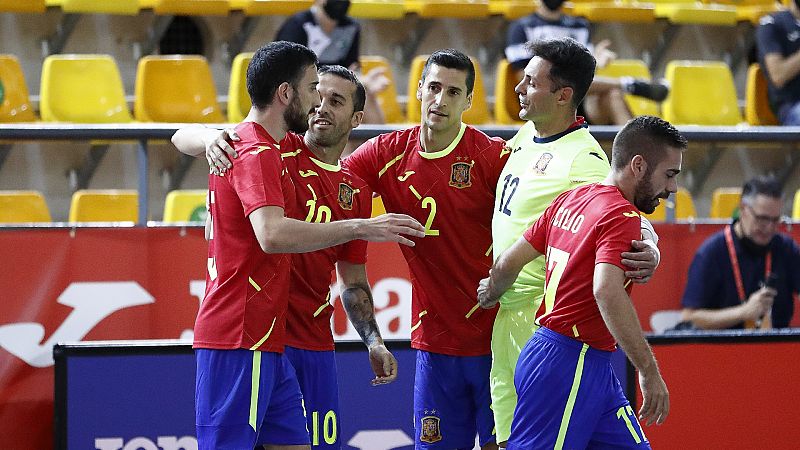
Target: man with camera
(747, 275)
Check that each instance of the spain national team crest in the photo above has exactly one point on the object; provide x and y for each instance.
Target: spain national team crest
(461, 174)
(430, 432)
(346, 196)
(542, 163)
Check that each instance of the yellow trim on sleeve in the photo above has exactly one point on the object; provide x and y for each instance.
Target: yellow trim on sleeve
(254, 284)
(390, 164)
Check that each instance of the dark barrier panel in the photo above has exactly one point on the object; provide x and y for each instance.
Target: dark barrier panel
(728, 390)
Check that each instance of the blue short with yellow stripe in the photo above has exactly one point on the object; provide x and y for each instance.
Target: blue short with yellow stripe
(245, 398)
(569, 398)
(316, 373)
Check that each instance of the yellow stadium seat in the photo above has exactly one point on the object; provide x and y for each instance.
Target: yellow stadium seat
(692, 12)
(272, 7)
(22, 207)
(631, 68)
(615, 11)
(238, 98)
(506, 101)
(796, 206)
(192, 7)
(377, 9)
(724, 202)
(388, 98)
(93, 205)
(459, 9)
(82, 89)
(756, 102)
(748, 10)
(377, 207)
(701, 93)
(22, 6)
(185, 205)
(478, 114)
(175, 88)
(121, 7)
(15, 105)
(511, 9)
(682, 203)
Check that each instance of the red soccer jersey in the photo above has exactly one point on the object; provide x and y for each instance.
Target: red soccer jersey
(323, 193)
(586, 226)
(246, 289)
(451, 192)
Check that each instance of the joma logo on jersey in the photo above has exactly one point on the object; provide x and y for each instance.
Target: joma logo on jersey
(346, 196)
(431, 432)
(461, 174)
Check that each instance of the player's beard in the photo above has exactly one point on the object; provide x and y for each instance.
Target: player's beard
(330, 137)
(296, 119)
(645, 198)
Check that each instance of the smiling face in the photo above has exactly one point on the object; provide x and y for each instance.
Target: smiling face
(335, 118)
(443, 97)
(658, 182)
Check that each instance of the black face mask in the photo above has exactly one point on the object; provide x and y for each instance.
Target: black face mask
(553, 5)
(336, 9)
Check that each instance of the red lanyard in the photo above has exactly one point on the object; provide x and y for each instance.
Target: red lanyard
(737, 273)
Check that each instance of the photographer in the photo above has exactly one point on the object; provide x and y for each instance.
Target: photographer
(747, 275)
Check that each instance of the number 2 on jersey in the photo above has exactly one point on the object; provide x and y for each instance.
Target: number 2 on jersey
(510, 182)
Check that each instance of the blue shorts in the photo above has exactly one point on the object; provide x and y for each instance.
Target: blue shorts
(232, 412)
(570, 398)
(452, 403)
(316, 373)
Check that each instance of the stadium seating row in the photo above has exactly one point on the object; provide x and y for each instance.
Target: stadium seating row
(180, 88)
(189, 205)
(709, 12)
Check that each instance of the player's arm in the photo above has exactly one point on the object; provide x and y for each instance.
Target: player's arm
(620, 317)
(780, 69)
(279, 234)
(197, 140)
(357, 300)
(504, 271)
(645, 257)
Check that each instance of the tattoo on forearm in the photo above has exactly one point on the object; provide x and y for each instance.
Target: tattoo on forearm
(361, 311)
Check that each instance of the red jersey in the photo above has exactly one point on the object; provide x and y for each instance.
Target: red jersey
(323, 193)
(246, 289)
(451, 192)
(586, 226)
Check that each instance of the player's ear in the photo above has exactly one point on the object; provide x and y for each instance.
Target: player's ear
(638, 166)
(284, 93)
(566, 95)
(419, 90)
(357, 119)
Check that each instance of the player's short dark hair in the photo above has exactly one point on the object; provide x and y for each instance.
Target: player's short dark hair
(648, 136)
(768, 186)
(452, 59)
(572, 64)
(359, 95)
(275, 63)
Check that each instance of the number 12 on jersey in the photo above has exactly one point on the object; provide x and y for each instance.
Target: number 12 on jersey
(510, 185)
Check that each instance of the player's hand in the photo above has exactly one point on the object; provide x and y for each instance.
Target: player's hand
(643, 259)
(483, 293)
(758, 304)
(383, 364)
(219, 151)
(390, 228)
(603, 53)
(655, 406)
(375, 81)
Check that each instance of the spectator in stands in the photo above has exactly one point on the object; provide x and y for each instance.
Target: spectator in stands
(746, 275)
(334, 36)
(779, 56)
(604, 103)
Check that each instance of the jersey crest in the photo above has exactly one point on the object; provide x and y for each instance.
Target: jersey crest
(345, 197)
(431, 432)
(461, 174)
(542, 163)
